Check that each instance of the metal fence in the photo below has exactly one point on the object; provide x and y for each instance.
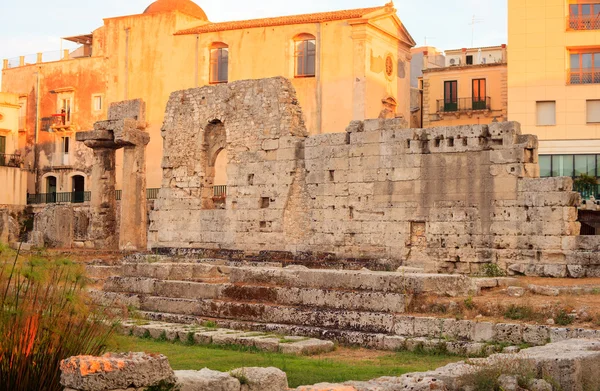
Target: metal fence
(583, 22)
(54, 55)
(220, 191)
(464, 104)
(584, 76)
(77, 197)
(587, 190)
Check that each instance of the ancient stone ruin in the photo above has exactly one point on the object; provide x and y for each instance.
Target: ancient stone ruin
(123, 129)
(448, 199)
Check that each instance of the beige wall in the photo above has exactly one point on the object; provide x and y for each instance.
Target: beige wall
(433, 90)
(539, 44)
(13, 180)
(350, 82)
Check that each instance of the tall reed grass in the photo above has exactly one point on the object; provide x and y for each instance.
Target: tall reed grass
(45, 317)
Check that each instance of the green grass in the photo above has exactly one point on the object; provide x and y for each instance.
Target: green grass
(300, 370)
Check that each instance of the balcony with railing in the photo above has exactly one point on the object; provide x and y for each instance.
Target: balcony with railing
(10, 160)
(583, 22)
(584, 76)
(76, 197)
(464, 105)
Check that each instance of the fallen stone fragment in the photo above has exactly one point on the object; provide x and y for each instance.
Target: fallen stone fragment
(515, 291)
(115, 371)
(206, 380)
(261, 379)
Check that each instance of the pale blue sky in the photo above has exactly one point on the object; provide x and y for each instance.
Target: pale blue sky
(30, 26)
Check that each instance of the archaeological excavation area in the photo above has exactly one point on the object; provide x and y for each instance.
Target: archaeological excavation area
(383, 237)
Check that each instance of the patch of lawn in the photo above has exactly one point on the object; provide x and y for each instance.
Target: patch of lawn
(345, 364)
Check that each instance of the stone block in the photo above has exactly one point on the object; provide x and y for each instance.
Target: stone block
(536, 335)
(511, 333)
(115, 371)
(404, 326)
(206, 380)
(483, 332)
(306, 347)
(262, 379)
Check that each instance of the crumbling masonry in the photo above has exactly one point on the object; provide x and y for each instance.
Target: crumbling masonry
(449, 199)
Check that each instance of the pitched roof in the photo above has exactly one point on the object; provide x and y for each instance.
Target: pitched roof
(281, 21)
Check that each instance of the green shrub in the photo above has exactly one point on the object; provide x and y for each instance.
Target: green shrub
(45, 318)
(492, 270)
(469, 304)
(518, 312)
(209, 324)
(563, 318)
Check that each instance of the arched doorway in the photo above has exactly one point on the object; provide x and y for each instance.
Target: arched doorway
(78, 188)
(215, 166)
(51, 189)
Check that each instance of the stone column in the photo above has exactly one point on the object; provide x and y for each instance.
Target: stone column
(134, 216)
(103, 228)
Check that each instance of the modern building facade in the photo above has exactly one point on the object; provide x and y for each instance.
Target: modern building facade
(471, 88)
(345, 65)
(554, 81)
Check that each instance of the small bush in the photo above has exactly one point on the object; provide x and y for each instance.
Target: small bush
(209, 324)
(518, 312)
(563, 318)
(469, 304)
(189, 340)
(486, 379)
(492, 270)
(162, 337)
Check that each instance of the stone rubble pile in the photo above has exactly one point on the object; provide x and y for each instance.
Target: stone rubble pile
(570, 365)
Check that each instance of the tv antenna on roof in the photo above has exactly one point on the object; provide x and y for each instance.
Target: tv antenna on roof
(474, 21)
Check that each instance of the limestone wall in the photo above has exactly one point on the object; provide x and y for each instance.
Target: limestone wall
(447, 198)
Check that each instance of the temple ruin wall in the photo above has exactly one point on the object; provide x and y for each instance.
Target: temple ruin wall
(447, 199)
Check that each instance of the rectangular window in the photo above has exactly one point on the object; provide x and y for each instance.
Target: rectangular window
(219, 65)
(593, 111)
(585, 164)
(545, 166)
(97, 102)
(469, 60)
(2, 144)
(22, 113)
(479, 94)
(585, 67)
(306, 55)
(65, 111)
(546, 113)
(562, 165)
(451, 95)
(584, 16)
(65, 144)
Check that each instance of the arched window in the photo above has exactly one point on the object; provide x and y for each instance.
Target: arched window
(305, 55)
(219, 63)
(51, 188)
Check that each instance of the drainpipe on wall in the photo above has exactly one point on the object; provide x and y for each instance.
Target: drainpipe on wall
(126, 92)
(37, 130)
(197, 58)
(319, 85)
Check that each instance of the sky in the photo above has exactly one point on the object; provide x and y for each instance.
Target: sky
(31, 26)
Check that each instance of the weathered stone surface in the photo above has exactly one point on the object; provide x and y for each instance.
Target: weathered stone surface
(515, 291)
(445, 199)
(261, 379)
(115, 371)
(206, 380)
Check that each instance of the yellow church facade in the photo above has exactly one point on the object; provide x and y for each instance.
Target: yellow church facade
(345, 65)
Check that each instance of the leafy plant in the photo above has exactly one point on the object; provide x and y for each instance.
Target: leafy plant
(492, 270)
(518, 312)
(563, 318)
(469, 304)
(45, 318)
(209, 324)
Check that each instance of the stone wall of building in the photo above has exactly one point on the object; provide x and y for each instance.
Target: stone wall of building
(447, 199)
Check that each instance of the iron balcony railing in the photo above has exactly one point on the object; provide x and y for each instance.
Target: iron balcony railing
(77, 197)
(583, 22)
(587, 190)
(584, 76)
(7, 160)
(464, 105)
(220, 191)
(151, 194)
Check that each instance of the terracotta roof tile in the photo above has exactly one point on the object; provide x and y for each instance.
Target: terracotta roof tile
(281, 21)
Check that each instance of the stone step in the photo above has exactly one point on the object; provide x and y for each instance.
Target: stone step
(102, 272)
(203, 335)
(311, 297)
(371, 322)
(349, 338)
(411, 283)
(176, 271)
